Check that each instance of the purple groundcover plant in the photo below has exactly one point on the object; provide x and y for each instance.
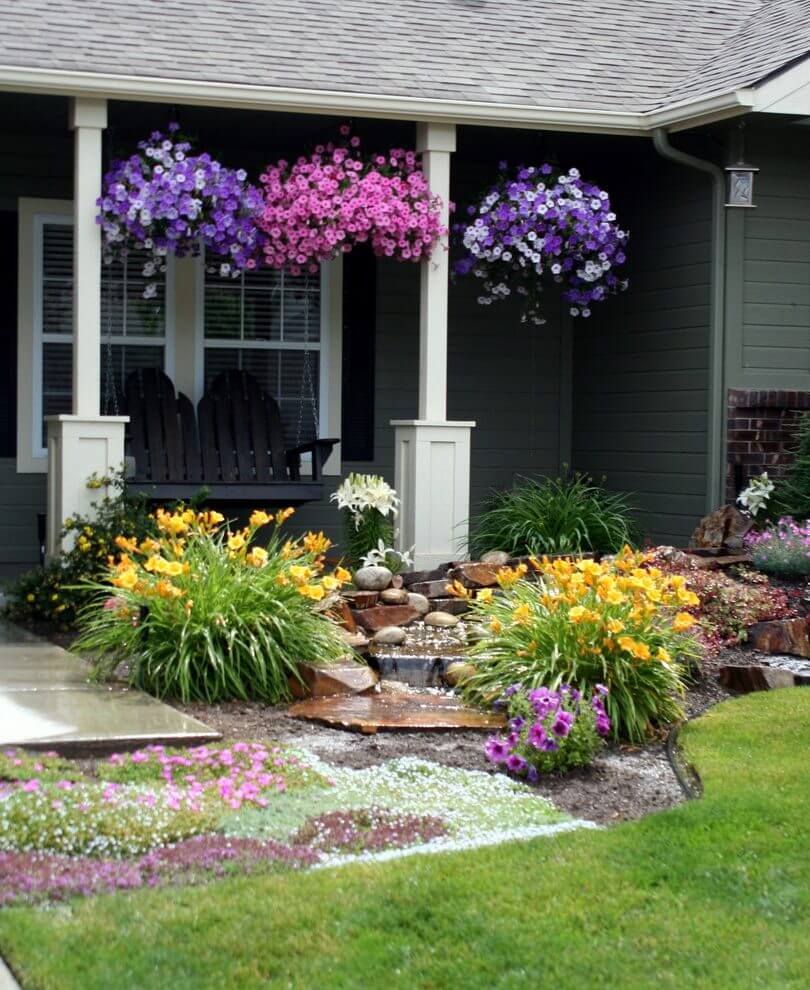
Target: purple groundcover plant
(782, 549)
(368, 830)
(549, 730)
(165, 200)
(537, 222)
(31, 877)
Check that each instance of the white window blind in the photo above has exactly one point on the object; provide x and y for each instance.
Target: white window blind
(133, 329)
(266, 323)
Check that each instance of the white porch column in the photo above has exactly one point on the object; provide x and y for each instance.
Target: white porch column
(432, 455)
(84, 442)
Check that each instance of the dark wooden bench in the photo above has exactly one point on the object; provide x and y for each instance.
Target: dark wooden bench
(233, 447)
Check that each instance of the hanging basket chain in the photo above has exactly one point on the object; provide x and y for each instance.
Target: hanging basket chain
(307, 381)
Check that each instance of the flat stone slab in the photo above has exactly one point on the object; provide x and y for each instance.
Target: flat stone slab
(94, 720)
(406, 712)
(47, 702)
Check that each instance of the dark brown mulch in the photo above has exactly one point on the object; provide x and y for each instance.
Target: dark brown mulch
(624, 783)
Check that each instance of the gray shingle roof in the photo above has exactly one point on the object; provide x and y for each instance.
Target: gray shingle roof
(631, 55)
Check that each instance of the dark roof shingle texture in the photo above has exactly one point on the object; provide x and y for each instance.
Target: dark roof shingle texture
(635, 55)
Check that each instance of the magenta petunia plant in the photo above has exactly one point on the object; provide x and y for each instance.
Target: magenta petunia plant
(321, 206)
(166, 200)
(536, 224)
(548, 731)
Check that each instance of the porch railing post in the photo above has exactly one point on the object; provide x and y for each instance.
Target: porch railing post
(432, 455)
(84, 442)
(88, 118)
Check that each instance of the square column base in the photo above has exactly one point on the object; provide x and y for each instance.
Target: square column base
(79, 446)
(432, 479)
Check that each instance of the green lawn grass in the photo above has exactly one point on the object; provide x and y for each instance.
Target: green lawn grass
(715, 893)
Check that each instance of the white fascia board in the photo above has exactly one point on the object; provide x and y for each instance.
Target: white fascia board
(235, 96)
(788, 92)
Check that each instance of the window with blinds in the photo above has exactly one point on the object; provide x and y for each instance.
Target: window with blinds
(133, 329)
(269, 324)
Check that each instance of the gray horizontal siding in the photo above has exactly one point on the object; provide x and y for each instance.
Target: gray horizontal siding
(22, 496)
(641, 360)
(769, 335)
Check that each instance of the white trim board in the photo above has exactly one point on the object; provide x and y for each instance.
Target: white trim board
(33, 216)
(688, 113)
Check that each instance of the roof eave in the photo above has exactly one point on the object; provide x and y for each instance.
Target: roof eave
(60, 82)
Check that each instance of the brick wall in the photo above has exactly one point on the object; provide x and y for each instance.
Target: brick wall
(760, 434)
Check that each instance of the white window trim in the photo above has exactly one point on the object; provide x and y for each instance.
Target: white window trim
(330, 379)
(33, 215)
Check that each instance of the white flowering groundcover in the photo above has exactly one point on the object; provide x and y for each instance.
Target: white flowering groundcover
(159, 816)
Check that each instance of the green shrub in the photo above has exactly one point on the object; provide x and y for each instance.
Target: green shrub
(206, 613)
(586, 624)
(565, 515)
(792, 494)
(56, 592)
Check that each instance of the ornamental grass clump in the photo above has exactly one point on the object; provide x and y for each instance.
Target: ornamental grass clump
(549, 731)
(203, 612)
(620, 623)
(562, 515)
(782, 549)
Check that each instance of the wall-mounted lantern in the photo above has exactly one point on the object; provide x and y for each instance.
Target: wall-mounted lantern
(740, 185)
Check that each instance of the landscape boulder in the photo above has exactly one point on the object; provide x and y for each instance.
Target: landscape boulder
(782, 636)
(374, 619)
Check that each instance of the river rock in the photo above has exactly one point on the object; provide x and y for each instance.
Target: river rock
(457, 671)
(390, 636)
(357, 640)
(394, 596)
(441, 619)
(373, 578)
(497, 558)
(419, 602)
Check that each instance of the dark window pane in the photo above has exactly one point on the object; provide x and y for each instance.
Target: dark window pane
(57, 371)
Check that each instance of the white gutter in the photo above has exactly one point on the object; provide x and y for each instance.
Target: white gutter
(59, 82)
(717, 315)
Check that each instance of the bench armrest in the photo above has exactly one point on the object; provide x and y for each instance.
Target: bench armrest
(320, 450)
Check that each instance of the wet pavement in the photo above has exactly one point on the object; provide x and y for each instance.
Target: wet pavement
(47, 702)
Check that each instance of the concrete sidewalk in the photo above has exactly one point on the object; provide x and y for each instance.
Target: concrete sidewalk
(47, 702)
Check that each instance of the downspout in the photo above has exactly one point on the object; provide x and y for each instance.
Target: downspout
(715, 495)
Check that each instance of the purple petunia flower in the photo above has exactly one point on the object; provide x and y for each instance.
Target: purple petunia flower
(515, 763)
(497, 750)
(562, 723)
(537, 735)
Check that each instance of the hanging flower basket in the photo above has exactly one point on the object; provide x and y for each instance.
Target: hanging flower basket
(165, 200)
(323, 205)
(536, 223)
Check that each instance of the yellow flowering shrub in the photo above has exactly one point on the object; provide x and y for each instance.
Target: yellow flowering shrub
(621, 623)
(204, 611)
